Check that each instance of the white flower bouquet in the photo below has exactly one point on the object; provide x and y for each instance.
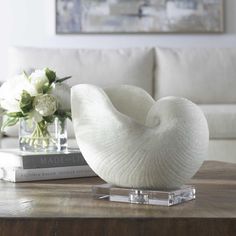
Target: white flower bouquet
(39, 99)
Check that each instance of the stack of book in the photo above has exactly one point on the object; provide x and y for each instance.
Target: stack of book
(18, 166)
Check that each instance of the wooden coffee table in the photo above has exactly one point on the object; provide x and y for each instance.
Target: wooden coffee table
(66, 207)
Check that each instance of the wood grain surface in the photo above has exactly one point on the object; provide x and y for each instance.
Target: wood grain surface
(66, 207)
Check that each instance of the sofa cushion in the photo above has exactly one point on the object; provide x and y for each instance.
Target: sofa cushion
(221, 120)
(205, 76)
(102, 67)
(222, 150)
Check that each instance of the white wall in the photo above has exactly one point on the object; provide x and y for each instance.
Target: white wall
(32, 23)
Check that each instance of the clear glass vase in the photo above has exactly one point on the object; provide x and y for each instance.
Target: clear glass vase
(42, 136)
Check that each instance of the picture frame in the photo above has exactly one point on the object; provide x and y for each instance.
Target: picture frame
(139, 16)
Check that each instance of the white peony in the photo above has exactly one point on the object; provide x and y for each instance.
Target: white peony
(62, 93)
(11, 90)
(45, 105)
(38, 79)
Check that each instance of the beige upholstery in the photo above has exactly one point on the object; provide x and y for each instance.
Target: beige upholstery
(100, 67)
(221, 120)
(205, 76)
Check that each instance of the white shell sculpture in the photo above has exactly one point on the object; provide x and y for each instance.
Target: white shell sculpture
(130, 140)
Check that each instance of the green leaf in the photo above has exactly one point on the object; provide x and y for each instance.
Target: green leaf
(63, 79)
(46, 88)
(48, 119)
(68, 115)
(15, 114)
(63, 115)
(25, 73)
(26, 102)
(51, 75)
(10, 121)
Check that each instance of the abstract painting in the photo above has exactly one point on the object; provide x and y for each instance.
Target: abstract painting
(139, 16)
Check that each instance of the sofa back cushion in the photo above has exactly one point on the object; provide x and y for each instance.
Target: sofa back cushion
(102, 67)
(201, 75)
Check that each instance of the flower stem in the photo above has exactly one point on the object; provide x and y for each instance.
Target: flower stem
(40, 137)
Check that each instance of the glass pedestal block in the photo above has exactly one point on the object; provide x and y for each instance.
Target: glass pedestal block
(138, 196)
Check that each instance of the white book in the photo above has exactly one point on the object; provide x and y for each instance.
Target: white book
(34, 160)
(18, 174)
(10, 158)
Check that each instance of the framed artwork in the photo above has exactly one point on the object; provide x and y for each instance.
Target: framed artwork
(139, 16)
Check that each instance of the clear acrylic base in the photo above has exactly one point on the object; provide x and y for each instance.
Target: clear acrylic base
(150, 197)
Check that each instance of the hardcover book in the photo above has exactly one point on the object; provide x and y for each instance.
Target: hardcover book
(32, 160)
(17, 174)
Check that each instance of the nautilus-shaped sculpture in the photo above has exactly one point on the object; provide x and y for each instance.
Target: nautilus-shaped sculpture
(130, 140)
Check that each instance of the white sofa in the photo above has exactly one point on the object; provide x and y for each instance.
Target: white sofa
(205, 76)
